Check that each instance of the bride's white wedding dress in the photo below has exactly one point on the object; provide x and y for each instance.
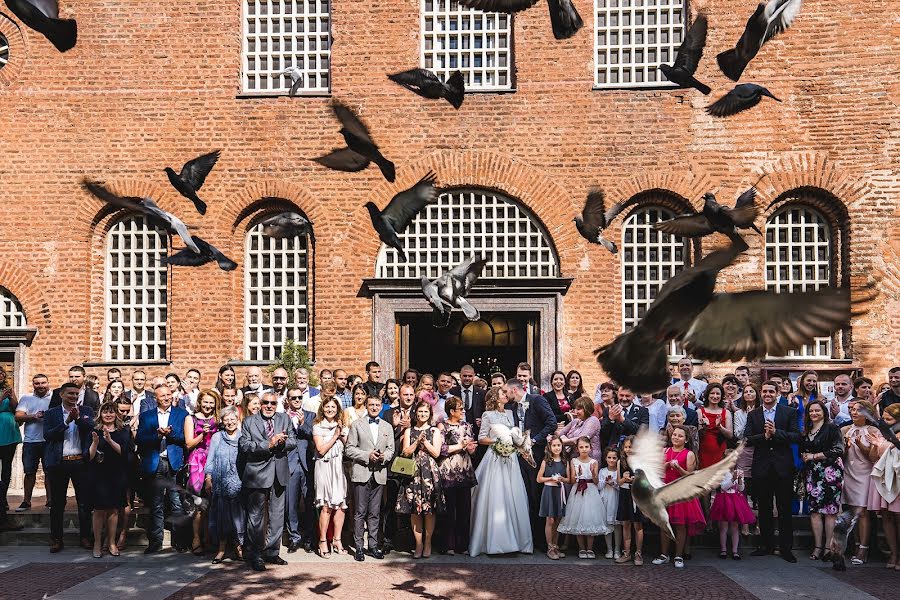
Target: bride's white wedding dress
(500, 521)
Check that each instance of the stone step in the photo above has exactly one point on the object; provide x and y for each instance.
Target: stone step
(40, 536)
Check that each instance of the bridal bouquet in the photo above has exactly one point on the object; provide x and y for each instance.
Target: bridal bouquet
(508, 440)
(504, 449)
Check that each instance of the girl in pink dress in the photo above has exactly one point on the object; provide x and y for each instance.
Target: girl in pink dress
(731, 510)
(199, 429)
(686, 517)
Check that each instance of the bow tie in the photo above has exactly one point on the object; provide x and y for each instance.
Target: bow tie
(373, 419)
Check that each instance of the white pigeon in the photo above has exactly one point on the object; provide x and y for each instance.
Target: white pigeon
(296, 79)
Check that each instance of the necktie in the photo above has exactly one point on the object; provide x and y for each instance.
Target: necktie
(468, 404)
(270, 427)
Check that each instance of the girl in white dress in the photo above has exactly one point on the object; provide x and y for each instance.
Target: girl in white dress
(331, 483)
(609, 498)
(584, 511)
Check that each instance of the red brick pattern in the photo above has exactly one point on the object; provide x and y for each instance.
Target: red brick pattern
(152, 84)
(41, 580)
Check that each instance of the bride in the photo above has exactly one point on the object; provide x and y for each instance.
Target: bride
(500, 522)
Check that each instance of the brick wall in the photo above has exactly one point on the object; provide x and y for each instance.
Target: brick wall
(152, 84)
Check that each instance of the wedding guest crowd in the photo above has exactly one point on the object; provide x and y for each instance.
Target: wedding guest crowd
(450, 462)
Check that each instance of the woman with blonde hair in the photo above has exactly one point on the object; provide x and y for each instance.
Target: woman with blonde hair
(329, 438)
(107, 460)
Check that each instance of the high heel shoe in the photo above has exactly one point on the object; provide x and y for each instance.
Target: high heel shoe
(338, 548)
(113, 550)
(816, 553)
(323, 553)
(862, 556)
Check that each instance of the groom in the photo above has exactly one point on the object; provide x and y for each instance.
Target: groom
(540, 423)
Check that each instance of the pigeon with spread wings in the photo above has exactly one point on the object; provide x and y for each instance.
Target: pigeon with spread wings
(208, 253)
(286, 225)
(715, 217)
(426, 84)
(563, 17)
(743, 97)
(296, 80)
(360, 150)
(449, 291)
(43, 17)
(594, 219)
(771, 18)
(147, 207)
(688, 57)
(652, 496)
(192, 176)
(397, 215)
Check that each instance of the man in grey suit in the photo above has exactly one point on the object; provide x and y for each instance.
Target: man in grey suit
(266, 440)
(370, 447)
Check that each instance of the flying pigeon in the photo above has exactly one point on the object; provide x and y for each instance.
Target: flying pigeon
(593, 219)
(719, 327)
(360, 150)
(770, 19)
(563, 17)
(192, 176)
(843, 525)
(400, 211)
(715, 217)
(147, 207)
(743, 97)
(449, 291)
(426, 84)
(688, 57)
(208, 253)
(286, 225)
(296, 79)
(652, 496)
(43, 17)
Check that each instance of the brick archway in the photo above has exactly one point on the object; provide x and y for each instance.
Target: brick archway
(28, 292)
(18, 50)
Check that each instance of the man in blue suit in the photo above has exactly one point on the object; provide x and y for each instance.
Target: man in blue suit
(160, 441)
(67, 432)
(300, 486)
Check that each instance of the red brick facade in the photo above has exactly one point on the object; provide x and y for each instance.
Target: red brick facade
(152, 84)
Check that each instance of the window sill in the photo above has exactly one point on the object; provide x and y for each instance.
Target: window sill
(119, 363)
(638, 88)
(263, 95)
(255, 363)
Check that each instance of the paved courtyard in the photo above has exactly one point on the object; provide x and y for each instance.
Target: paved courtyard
(28, 572)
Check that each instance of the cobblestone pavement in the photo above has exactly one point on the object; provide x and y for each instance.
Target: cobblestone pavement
(31, 572)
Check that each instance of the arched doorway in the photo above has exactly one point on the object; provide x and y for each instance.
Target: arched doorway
(518, 295)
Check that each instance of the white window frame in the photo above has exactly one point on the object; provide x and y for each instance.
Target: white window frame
(11, 314)
(282, 40)
(810, 255)
(147, 328)
(494, 31)
(464, 222)
(639, 225)
(628, 46)
(4, 51)
(282, 264)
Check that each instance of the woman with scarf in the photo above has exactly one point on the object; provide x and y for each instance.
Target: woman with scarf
(226, 522)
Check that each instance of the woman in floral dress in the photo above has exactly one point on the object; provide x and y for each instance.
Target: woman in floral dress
(457, 475)
(823, 473)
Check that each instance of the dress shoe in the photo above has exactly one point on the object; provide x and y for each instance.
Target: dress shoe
(360, 555)
(257, 565)
(275, 560)
(153, 549)
(293, 547)
(788, 556)
(376, 553)
(180, 549)
(55, 546)
(86, 544)
(307, 547)
(761, 552)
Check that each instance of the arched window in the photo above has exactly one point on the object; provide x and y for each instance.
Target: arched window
(136, 291)
(465, 222)
(11, 314)
(649, 259)
(799, 257)
(276, 293)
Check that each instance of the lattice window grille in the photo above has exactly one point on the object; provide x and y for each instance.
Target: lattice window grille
(479, 44)
(798, 258)
(4, 51)
(632, 38)
(136, 291)
(649, 259)
(11, 314)
(276, 288)
(278, 34)
(465, 222)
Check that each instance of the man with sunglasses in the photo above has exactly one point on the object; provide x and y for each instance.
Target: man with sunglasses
(267, 438)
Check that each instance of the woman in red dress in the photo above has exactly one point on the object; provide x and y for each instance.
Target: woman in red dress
(715, 426)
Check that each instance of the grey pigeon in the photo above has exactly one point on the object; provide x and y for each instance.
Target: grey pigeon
(43, 17)
(192, 176)
(563, 17)
(770, 19)
(145, 206)
(296, 79)
(286, 225)
(715, 217)
(688, 57)
(843, 525)
(360, 150)
(594, 219)
(208, 253)
(743, 97)
(449, 291)
(426, 84)
(719, 327)
(397, 215)
(651, 496)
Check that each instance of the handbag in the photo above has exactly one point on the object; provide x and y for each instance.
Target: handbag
(403, 467)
